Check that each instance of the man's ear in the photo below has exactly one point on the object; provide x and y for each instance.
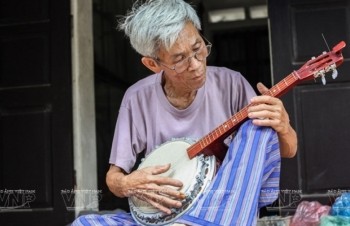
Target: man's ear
(151, 64)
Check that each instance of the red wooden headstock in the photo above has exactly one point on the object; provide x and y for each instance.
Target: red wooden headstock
(316, 67)
(319, 66)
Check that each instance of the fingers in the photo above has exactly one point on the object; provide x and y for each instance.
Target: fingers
(163, 190)
(151, 186)
(159, 191)
(272, 109)
(160, 199)
(165, 181)
(265, 106)
(157, 204)
(160, 169)
(266, 100)
(274, 123)
(265, 113)
(261, 88)
(153, 176)
(268, 111)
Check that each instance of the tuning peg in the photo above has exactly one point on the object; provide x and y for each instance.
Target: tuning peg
(322, 75)
(323, 79)
(334, 73)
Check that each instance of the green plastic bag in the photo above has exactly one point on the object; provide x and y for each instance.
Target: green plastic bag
(335, 221)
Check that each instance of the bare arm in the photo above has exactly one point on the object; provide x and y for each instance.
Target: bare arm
(288, 143)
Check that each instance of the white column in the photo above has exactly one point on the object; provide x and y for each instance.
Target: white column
(85, 161)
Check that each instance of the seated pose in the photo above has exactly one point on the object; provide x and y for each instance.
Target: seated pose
(185, 98)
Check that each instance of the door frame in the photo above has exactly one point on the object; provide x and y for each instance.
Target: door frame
(84, 129)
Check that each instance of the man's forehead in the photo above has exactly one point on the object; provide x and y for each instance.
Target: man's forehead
(184, 44)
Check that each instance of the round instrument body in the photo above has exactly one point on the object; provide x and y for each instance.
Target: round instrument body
(195, 174)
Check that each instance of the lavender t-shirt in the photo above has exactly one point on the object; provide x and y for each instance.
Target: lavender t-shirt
(146, 118)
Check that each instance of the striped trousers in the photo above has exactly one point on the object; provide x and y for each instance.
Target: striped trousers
(247, 180)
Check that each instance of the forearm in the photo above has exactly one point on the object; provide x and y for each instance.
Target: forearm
(115, 181)
(288, 143)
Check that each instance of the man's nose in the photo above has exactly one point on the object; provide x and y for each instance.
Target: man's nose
(193, 62)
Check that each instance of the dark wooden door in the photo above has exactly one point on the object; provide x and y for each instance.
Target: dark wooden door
(319, 113)
(36, 155)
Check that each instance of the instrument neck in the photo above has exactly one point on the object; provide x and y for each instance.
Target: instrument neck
(207, 144)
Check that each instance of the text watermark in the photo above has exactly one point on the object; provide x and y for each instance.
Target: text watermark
(16, 199)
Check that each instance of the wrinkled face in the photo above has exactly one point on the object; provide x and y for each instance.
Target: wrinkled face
(188, 43)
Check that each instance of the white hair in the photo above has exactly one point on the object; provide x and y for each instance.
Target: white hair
(157, 23)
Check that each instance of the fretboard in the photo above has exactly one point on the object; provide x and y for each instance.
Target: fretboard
(206, 145)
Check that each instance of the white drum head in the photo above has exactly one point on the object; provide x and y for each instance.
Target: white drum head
(195, 174)
(182, 168)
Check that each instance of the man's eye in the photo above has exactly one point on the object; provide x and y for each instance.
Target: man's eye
(197, 47)
(179, 59)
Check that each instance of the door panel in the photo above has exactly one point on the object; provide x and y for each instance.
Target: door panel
(319, 113)
(323, 128)
(36, 151)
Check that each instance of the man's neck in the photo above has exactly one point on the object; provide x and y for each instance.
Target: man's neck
(180, 99)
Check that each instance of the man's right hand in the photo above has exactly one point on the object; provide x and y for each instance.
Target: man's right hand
(147, 185)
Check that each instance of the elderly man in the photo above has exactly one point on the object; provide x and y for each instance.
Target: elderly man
(186, 98)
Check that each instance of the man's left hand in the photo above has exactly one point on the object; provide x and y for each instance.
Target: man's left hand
(269, 111)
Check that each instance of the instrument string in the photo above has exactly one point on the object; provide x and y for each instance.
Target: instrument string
(325, 41)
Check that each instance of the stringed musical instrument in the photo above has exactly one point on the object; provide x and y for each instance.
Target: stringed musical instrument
(312, 69)
(194, 163)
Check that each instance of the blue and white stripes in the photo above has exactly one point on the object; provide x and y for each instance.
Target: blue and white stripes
(247, 180)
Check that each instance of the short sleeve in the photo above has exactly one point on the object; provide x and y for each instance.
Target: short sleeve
(125, 141)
